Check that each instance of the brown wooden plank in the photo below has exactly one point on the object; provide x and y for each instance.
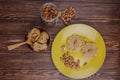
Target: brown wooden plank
(22, 10)
(90, 1)
(107, 28)
(36, 61)
(50, 74)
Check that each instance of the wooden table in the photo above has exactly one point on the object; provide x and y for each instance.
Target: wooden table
(19, 16)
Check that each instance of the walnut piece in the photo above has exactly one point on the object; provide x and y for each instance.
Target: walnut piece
(38, 47)
(34, 34)
(43, 37)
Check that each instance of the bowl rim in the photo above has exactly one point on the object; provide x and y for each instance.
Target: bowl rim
(51, 20)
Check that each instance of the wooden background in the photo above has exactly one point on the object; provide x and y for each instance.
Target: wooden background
(19, 16)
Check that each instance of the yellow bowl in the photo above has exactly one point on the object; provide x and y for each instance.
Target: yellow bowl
(93, 65)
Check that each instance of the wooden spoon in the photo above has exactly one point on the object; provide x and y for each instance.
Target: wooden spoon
(11, 47)
(29, 40)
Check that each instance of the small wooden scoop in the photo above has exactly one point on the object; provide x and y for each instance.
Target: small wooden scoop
(11, 47)
(29, 40)
(33, 37)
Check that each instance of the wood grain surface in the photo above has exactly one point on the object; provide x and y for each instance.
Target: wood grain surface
(19, 16)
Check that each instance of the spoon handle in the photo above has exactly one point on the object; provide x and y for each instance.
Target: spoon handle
(11, 47)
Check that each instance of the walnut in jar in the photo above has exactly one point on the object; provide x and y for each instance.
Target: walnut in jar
(49, 12)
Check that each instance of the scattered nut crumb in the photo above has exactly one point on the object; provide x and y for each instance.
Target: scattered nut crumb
(63, 47)
(85, 63)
